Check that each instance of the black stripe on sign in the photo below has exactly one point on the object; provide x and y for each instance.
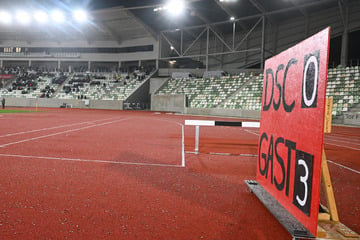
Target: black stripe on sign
(230, 124)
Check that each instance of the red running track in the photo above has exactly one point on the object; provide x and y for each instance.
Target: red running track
(98, 174)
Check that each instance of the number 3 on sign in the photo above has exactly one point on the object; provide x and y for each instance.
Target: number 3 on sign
(303, 181)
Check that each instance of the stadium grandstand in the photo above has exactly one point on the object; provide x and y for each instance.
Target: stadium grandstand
(166, 119)
(131, 53)
(135, 55)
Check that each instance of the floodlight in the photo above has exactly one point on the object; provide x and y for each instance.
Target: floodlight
(57, 16)
(172, 47)
(232, 18)
(158, 9)
(80, 15)
(41, 16)
(175, 7)
(5, 17)
(22, 17)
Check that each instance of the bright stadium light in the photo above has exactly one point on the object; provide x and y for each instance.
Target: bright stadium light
(175, 7)
(5, 17)
(41, 16)
(57, 16)
(22, 17)
(80, 16)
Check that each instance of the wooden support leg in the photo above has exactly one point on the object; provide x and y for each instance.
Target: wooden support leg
(329, 192)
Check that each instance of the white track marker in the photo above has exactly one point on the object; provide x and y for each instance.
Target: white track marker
(251, 132)
(190, 152)
(182, 137)
(89, 160)
(338, 164)
(58, 133)
(50, 128)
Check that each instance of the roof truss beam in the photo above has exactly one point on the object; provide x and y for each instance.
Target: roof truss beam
(302, 10)
(261, 9)
(230, 13)
(208, 23)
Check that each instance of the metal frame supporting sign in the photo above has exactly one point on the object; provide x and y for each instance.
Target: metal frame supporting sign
(292, 128)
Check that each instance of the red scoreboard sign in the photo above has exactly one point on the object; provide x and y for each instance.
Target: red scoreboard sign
(292, 127)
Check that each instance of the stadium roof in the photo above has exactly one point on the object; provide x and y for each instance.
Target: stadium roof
(122, 20)
(199, 12)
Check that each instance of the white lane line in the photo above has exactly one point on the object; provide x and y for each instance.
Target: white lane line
(340, 141)
(225, 154)
(338, 164)
(358, 149)
(164, 120)
(58, 133)
(343, 137)
(182, 137)
(93, 161)
(50, 128)
(251, 132)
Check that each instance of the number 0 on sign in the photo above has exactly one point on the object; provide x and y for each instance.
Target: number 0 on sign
(292, 126)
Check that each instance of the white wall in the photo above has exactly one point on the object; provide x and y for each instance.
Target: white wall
(55, 103)
(79, 43)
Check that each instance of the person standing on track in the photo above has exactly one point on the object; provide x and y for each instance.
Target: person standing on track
(3, 103)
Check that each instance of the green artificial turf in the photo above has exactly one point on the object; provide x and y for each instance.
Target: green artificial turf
(14, 111)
